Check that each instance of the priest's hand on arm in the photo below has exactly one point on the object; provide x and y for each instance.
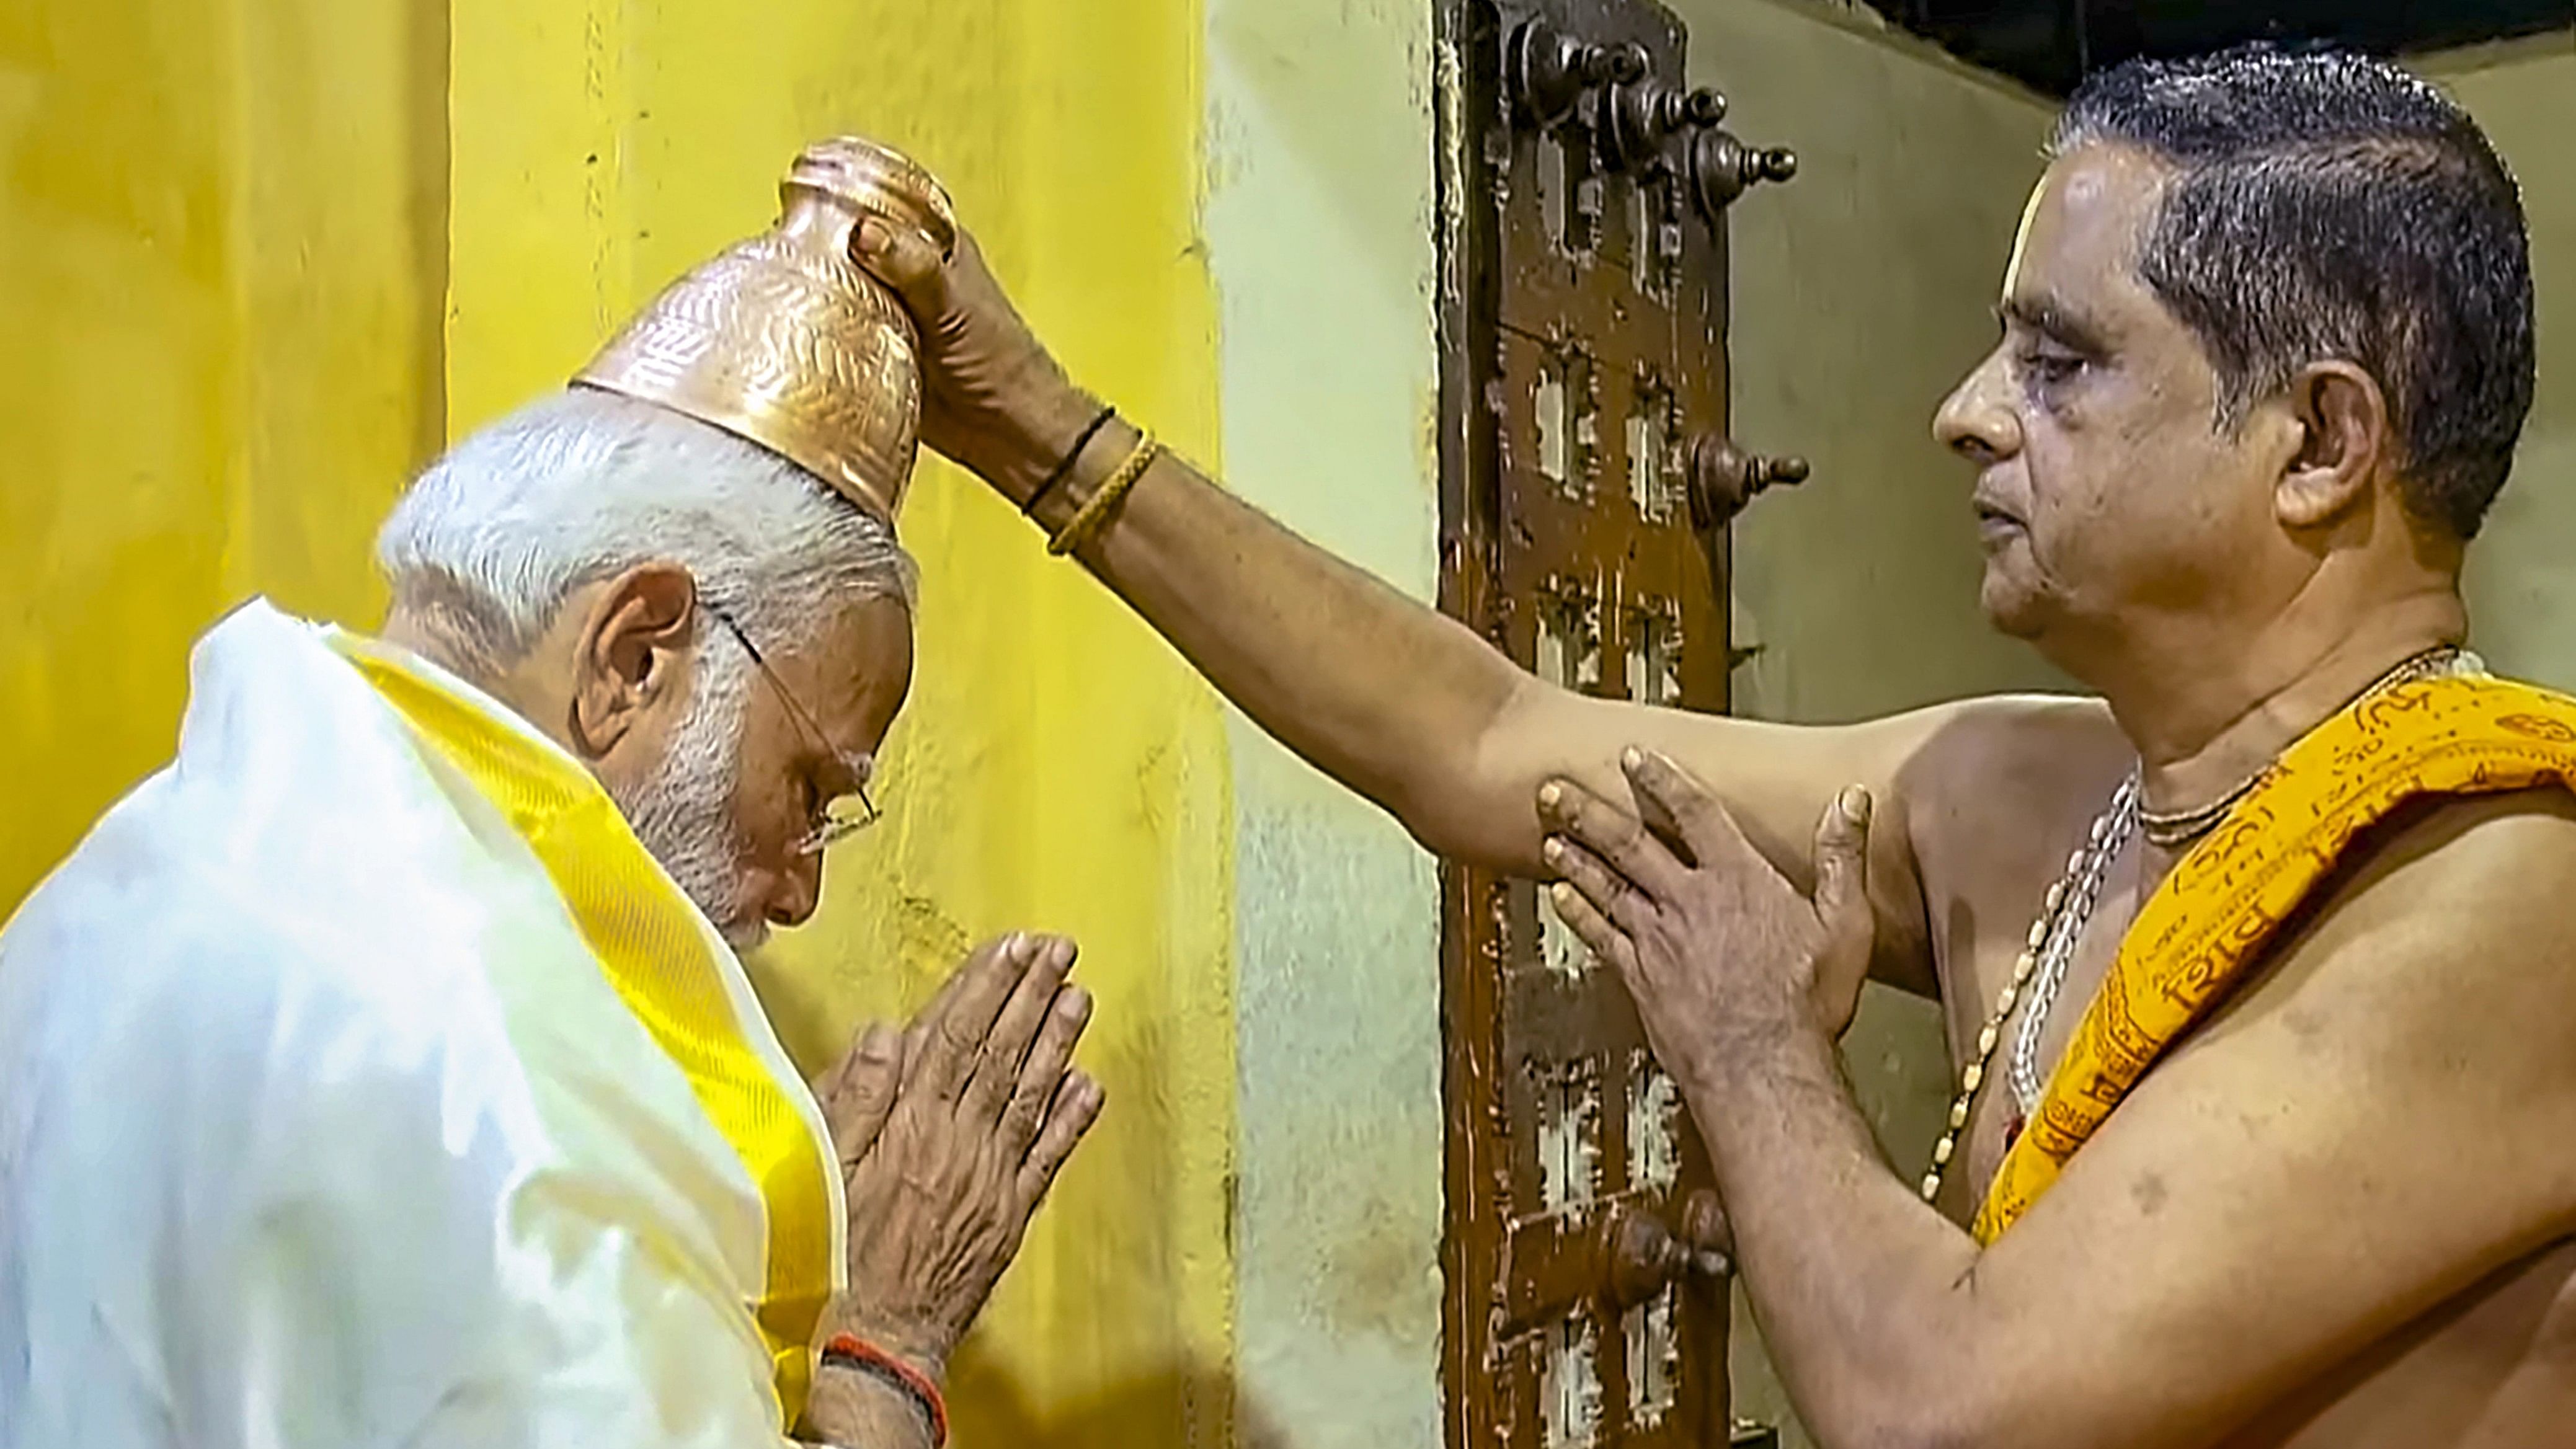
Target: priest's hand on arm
(949, 1136)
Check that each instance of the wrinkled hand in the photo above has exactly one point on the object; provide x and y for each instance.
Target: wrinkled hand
(949, 1137)
(1710, 938)
(992, 397)
(858, 1091)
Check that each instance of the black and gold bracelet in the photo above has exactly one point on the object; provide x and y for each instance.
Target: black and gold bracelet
(1064, 469)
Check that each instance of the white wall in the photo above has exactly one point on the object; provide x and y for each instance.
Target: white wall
(1318, 221)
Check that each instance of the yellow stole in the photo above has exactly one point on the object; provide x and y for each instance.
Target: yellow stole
(2208, 925)
(653, 945)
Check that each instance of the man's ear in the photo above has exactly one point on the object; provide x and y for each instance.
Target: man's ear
(2346, 436)
(627, 658)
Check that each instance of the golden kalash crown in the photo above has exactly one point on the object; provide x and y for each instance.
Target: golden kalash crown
(784, 340)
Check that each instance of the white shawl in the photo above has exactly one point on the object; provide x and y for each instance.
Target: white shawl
(320, 1126)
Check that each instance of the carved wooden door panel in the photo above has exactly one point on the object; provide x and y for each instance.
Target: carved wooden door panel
(1585, 485)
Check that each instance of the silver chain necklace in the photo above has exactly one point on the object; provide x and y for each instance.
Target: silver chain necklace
(2053, 937)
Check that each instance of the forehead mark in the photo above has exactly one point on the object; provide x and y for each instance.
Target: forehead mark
(2021, 236)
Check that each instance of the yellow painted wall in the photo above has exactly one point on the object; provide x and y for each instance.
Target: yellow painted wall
(258, 258)
(1056, 768)
(219, 263)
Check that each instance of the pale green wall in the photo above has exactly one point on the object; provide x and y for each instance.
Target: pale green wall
(1861, 292)
(1318, 226)
(2522, 574)
(1318, 229)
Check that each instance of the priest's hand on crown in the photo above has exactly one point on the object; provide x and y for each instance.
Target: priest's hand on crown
(949, 1136)
(993, 398)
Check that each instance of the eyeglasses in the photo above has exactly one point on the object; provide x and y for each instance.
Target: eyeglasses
(830, 829)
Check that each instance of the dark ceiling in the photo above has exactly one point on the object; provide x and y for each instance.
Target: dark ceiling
(2050, 44)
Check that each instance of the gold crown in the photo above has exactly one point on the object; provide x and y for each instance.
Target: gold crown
(786, 341)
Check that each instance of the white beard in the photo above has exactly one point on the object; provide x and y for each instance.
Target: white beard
(684, 812)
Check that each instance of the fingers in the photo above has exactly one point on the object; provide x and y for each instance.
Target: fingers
(1694, 810)
(916, 1037)
(1000, 1055)
(907, 261)
(859, 1093)
(951, 1035)
(1042, 1076)
(1075, 1107)
(1842, 864)
(958, 978)
(1618, 838)
(1582, 917)
(1608, 892)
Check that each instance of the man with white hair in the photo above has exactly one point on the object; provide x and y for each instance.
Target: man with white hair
(382, 1071)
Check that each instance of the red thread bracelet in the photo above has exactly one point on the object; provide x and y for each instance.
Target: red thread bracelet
(858, 1353)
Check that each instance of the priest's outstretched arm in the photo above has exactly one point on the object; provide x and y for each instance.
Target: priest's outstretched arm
(1395, 700)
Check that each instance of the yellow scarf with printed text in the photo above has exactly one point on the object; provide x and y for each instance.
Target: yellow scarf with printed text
(2208, 925)
(653, 946)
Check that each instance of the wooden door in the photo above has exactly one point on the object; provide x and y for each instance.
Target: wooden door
(1586, 483)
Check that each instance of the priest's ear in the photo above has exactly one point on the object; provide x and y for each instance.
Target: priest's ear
(631, 658)
(2344, 440)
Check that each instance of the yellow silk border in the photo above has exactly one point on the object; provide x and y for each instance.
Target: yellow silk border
(652, 945)
(2207, 924)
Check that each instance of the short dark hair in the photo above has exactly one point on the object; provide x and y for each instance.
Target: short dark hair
(2334, 206)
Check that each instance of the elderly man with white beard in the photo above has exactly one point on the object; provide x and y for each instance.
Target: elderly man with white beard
(382, 1070)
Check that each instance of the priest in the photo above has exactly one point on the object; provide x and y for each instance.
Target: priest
(382, 1071)
(2259, 966)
